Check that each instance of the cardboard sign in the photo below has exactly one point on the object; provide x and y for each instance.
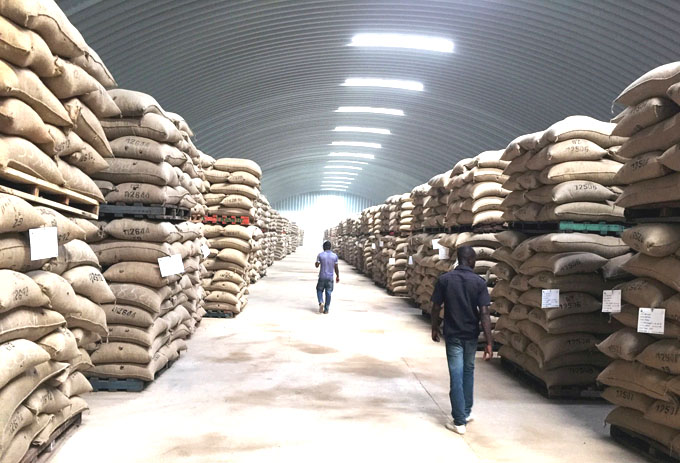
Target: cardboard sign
(550, 298)
(651, 321)
(43, 243)
(391, 261)
(171, 265)
(205, 250)
(443, 253)
(410, 260)
(611, 301)
(435, 244)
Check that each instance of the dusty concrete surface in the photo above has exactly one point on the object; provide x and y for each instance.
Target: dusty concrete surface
(282, 383)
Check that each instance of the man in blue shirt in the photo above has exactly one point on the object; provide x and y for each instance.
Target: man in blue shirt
(466, 304)
(328, 261)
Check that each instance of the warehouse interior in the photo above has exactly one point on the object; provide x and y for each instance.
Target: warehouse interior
(169, 172)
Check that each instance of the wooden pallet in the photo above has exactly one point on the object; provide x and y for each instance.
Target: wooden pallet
(654, 214)
(591, 392)
(124, 384)
(217, 314)
(602, 228)
(653, 450)
(43, 193)
(143, 211)
(41, 453)
(227, 220)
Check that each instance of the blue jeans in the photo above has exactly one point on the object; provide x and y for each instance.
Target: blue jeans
(324, 285)
(460, 355)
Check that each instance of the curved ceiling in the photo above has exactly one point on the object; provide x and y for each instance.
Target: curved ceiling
(262, 79)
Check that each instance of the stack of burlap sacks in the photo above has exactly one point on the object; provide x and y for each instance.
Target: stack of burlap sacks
(425, 269)
(153, 315)
(435, 204)
(401, 216)
(556, 344)
(643, 379)
(418, 197)
(476, 191)
(155, 160)
(51, 320)
(567, 172)
(234, 188)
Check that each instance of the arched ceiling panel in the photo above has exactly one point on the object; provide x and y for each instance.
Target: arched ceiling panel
(262, 79)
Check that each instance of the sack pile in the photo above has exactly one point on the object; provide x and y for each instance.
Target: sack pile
(51, 320)
(155, 161)
(644, 375)
(556, 344)
(418, 197)
(435, 204)
(153, 314)
(651, 151)
(426, 268)
(567, 172)
(476, 191)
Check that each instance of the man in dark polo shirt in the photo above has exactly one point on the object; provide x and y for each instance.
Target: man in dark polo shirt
(466, 304)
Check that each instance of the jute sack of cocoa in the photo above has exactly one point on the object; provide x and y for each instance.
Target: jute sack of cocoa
(88, 127)
(576, 375)
(150, 125)
(149, 299)
(67, 230)
(642, 115)
(645, 166)
(111, 252)
(570, 303)
(233, 256)
(645, 292)
(653, 83)
(18, 356)
(662, 355)
(228, 242)
(625, 344)
(130, 315)
(138, 335)
(236, 201)
(234, 189)
(605, 246)
(634, 420)
(653, 239)
(582, 211)
(585, 357)
(18, 118)
(88, 281)
(15, 254)
(122, 352)
(571, 191)
(575, 127)
(143, 193)
(602, 172)
(565, 263)
(78, 181)
(59, 291)
(135, 104)
(75, 385)
(72, 254)
(72, 81)
(663, 269)
(238, 164)
(569, 150)
(123, 170)
(18, 215)
(22, 155)
(664, 413)
(18, 289)
(244, 178)
(143, 230)
(636, 377)
(658, 137)
(25, 85)
(143, 149)
(585, 322)
(26, 49)
(100, 102)
(90, 316)
(627, 398)
(46, 399)
(661, 190)
(592, 284)
(60, 344)
(130, 370)
(93, 232)
(144, 273)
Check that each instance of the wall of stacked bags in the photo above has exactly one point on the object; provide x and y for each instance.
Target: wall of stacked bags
(565, 222)
(107, 267)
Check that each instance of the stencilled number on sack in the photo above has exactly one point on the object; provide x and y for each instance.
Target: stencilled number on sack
(18, 221)
(20, 293)
(585, 186)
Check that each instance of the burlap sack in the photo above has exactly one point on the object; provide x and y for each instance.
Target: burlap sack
(653, 239)
(234, 189)
(569, 150)
(585, 283)
(594, 323)
(613, 270)
(15, 253)
(72, 254)
(143, 149)
(24, 156)
(18, 118)
(592, 358)
(144, 297)
(519, 342)
(222, 297)
(143, 193)
(223, 307)
(26, 49)
(645, 166)
(18, 215)
(88, 281)
(662, 355)
(18, 356)
(602, 172)
(25, 85)
(144, 273)
(566, 263)
(90, 316)
(17, 289)
(60, 344)
(236, 201)
(528, 213)
(570, 303)
(78, 181)
(651, 84)
(510, 353)
(129, 370)
(244, 178)
(135, 104)
(663, 269)
(111, 252)
(137, 335)
(658, 137)
(672, 306)
(67, 230)
(636, 377)
(150, 125)
(71, 82)
(100, 102)
(123, 170)
(228, 275)
(89, 161)
(626, 398)
(238, 164)
(143, 230)
(59, 291)
(75, 385)
(46, 399)
(584, 127)
(569, 192)
(634, 420)
(644, 292)
(122, 352)
(656, 191)
(605, 246)
(671, 158)
(88, 126)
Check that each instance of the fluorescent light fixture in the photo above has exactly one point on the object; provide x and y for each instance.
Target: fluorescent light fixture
(333, 189)
(343, 173)
(334, 182)
(347, 128)
(343, 167)
(360, 163)
(352, 155)
(369, 109)
(359, 144)
(410, 41)
(384, 83)
(337, 178)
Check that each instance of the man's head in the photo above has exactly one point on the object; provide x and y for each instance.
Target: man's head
(326, 245)
(467, 256)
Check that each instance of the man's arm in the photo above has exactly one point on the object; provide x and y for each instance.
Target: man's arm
(436, 321)
(485, 314)
(337, 273)
(317, 263)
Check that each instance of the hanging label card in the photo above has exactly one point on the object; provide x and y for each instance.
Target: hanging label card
(381, 244)
(651, 321)
(171, 265)
(435, 244)
(443, 253)
(550, 298)
(205, 250)
(43, 243)
(392, 261)
(611, 301)
(373, 246)
(410, 260)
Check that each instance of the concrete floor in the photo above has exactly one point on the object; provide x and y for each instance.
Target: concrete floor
(283, 383)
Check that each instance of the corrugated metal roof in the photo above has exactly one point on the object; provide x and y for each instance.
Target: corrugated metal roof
(261, 79)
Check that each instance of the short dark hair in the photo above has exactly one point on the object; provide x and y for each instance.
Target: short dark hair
(326, 245)
(466, 254)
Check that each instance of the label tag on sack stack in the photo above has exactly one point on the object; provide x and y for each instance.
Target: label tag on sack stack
(171, 265)
(391, 261)
(43, 243)
(435, 244)
(443, 253)
(651, 321)
(410, 260)
(381, 244)
(373, 246)
(205, 250)
(550, 298)
(611, 301)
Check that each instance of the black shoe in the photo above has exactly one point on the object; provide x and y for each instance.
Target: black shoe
(325, 311)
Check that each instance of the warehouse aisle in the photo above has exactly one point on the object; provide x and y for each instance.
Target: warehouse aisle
(284, 383)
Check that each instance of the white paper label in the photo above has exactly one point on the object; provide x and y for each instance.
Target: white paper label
(410, 260)
(443, 253)
(171, 265)
(43, 242)
(380, 243)
(435, 244)
(392, 261)
(550, 298)
(205, 250)
(651, 321)
(611, 301)
(373, 246)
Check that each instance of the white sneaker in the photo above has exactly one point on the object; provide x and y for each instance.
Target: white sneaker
(320, 307)
(470, 418)
(455, 428)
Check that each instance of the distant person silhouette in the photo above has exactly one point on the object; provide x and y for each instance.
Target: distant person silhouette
(328, 261)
